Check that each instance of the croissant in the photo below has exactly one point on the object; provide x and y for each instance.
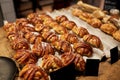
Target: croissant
(67, 58)
(95, 22)
(61, 19)
(51, 63)
(33, 72)
(71, 38)
(79, 62)
(83, 49)
(62, 46)
(93, 40)
(116, 35)
(24, 57)
(68, 24)
(108, 28)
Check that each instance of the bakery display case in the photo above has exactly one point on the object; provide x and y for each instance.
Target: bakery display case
(81, 41)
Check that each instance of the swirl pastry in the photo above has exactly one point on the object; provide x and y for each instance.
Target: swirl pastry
(79, 62)
(62, 46)
(71, 38)
(95, 22)
(33, 72)
(68, 24)
(61, 19)
(24, 57)
(108, 28)
(51, 63)
(83, 49)
(93, 40)
(67, 58)
(116, 35)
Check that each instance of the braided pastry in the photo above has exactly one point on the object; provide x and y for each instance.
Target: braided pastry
(71, 38)
(24, 57)
(93, 40)
(33, 72)
(116, 35)
(108, 28)
(21, 22)
(95, 22)
(68, 24)
(83, 49)
(62, 46)
(31, 37)
(61, 19)
(40, 49)
(41, 28)
(49, 36)
(80, 31)
(79, 62)
(19, 43)
(34, 19)
(51, 63)
(67, 58)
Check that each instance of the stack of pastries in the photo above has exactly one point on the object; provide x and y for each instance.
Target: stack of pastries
(103, 22)
(39, 36)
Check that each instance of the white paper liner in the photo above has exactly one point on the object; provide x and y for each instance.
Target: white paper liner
(108, 41)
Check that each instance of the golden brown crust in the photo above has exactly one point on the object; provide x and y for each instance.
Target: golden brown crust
(71, 38)
(67, 58)
(61, 18)
(51, 63)
(108, 28)
(24, 57)
(62, 46)
(93, 40)
(116, 35)
(82, 32)
(83, 49)
(68, 24)
(79, 62)
(95, 22)
(33, 72)
(19, 43)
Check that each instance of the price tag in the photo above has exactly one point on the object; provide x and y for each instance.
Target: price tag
(114, 55)
(92, 67)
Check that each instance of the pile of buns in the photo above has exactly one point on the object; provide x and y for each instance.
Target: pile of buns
(39, 36)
